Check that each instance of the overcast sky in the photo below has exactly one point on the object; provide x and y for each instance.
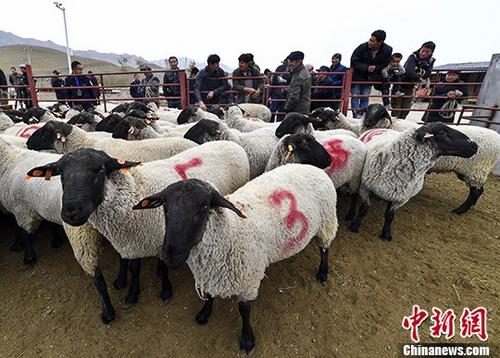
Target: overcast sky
(463, 31)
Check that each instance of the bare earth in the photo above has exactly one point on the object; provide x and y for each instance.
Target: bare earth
(436, 259)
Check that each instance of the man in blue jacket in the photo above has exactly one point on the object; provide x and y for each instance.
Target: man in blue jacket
(212, 80)
(368, 60)
(337, 79)
(322, 80)
(81, 81)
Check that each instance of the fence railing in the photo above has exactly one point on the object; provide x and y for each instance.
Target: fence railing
(272, 92)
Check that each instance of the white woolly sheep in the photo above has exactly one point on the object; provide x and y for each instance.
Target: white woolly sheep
(256, 110)
(279, 213)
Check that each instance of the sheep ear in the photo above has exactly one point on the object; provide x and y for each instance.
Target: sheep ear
(46, 171)
(149, 202)
(423, 134)
(220, 201)
(115, 164)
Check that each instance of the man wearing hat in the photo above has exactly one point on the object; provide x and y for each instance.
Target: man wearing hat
(453, 89)
(322, 93)
(298, 98)
(338, 78)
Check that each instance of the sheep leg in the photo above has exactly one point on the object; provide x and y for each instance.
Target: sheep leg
(108, 312)
(18, 244)
(204, 314)
(247, 341)
(389, 216)
(322, 275)
(29, 251)
(58, 235)
(354, 205)
(133, 294)
(166, 286)
(363, 209)
(474, 194)
(121, 280)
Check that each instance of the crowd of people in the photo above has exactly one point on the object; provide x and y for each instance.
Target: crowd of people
(294, 85)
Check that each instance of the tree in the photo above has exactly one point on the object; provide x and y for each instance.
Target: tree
(124, 60)
(140, 61)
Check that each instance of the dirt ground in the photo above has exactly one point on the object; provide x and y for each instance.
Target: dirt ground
(436, 259)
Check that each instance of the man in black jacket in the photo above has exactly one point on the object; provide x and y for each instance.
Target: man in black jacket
(172, 76)
(211, 80)
(368, 60)
(4, 95)
(78, 79)
(298, 98)
(56, 82)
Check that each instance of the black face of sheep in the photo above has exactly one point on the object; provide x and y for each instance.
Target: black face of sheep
(374, 114)
(306, 150)
(83, 177)
(129, 126)
(121, 108)
(138, 106)
(81, 119)
(109, 123)
(447, 140)
(217, 110)
(186, 115)
(147, 116)
(325, 118)
(187, 205)
(45, 137)
(292, 123)
(204, 131)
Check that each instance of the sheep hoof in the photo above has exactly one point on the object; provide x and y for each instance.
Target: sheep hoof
(248, 344)
(56, 242)
(29, 260)
(322, 277)
(130, 301)
(119, 284)
(107, 316)
(16, 247)
(460, 211)
(165, 297)
(386, 237)
(201, 318)
(354, 228)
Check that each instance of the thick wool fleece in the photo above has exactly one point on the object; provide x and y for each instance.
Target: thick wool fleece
(256, 110)
(136, 234)
(234, 119)
(348, 158)
(143, 150)
(285, 209)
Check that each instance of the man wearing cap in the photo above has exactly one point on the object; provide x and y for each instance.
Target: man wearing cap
(298, 98)
(337, 78)
(368, 60)
(322, 93)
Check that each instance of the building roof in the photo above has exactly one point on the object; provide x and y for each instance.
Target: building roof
(466, 66)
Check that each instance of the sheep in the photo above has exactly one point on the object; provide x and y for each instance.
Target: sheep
(258, 144)
(194, 114)
(300, 123)
(396, 163)
(30, 202)
(473, 171)
(132, 128)
(16, 141)
(84, 120)
(277, 215)
(65, 138)
(347, 159)
(332, 119)
(109, 123)
(377, 116)
(8, 127)
(256, 110)
(58, 109)
(98, 192)
(234, 119)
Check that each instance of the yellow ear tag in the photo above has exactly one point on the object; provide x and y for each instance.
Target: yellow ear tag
(48, 174)
(144, 203)
(37, 173)
(290, 148)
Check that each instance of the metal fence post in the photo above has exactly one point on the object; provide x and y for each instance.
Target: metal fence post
(31, 85)
(183, 88)
(346, 90)
(103, 93)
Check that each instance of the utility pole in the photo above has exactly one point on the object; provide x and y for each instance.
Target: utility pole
(62, 8)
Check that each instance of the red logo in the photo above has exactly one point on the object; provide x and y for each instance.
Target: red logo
(473, 323)
(181, 168)
(414, 321)
(339, 155)
(443, 323)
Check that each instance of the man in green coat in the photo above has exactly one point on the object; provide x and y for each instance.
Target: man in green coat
(249, 90)
(298, 98)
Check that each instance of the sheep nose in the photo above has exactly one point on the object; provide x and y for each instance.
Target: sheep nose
(71, 210)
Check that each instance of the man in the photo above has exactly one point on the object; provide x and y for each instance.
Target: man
(192, 83)
(4, 94)
(135, 90)
(150, 87)
(25, 91)
(249, 90)
(298, 98)
(57, 83)
(453, 89)
(94, 82)
(337, 78)
(418, 68)
(280, 77)
(212, 80)
(15, 80)
(322, 79)
(80, 82)
(172, 76)
(368, 60)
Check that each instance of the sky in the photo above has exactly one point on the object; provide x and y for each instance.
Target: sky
(463, 31)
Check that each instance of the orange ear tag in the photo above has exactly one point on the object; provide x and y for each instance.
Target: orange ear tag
(120, 161)
(37, 173)
(48, 174)
(144, 203)
(27, 177)
(124, 170)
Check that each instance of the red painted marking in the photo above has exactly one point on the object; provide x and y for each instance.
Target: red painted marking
(368, 136)
(293, 216)
(339, 155)
(27, 131)
(181, 168)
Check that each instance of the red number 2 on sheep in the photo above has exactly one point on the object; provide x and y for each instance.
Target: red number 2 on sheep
(293, 216)
(181, 168)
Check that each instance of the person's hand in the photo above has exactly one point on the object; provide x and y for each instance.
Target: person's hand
(255, 94)
(451, 94)
(202, 106)
(371, 68)
(249, 90)
(210, 95)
